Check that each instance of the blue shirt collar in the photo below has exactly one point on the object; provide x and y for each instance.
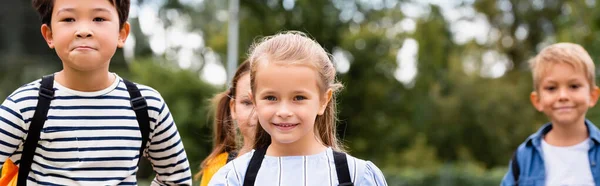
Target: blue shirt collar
(536, 138)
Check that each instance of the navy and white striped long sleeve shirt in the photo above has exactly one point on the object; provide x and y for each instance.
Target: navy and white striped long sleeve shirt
(93, 138)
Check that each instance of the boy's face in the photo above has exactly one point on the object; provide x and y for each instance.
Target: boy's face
(564, 94)
(85, 33)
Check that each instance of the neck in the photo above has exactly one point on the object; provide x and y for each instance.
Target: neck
(309, 145)
(567, 134)
(247, 147)
(85, 81)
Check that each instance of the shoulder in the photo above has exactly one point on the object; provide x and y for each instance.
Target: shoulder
(152, 96)
(366, 172)
(145, 90)
(535, 139)
(233, 172)
(26, 92)
(218, 161)
(212, 166)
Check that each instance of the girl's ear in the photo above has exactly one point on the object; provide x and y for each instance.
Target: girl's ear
(232, 108)
(325, 101)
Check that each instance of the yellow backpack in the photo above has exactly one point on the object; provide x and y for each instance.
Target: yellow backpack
(9, 173)
(213, 166)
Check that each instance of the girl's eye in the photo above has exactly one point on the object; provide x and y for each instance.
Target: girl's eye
(299, 98)
(246, 102)
(270, 98)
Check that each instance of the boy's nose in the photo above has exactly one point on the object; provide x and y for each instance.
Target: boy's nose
(563, 95)
(83, 33)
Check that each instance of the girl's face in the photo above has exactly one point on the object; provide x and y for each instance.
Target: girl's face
(287, 101)
(242, 108)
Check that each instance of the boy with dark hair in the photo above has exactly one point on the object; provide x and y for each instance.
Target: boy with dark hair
(85, 125)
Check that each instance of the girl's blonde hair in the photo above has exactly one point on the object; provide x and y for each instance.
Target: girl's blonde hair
(295, 48)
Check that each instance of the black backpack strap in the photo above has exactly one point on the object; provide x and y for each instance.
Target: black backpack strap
(342, 169)
(515, 168)
(140, 107)
(254, 166)
(46, 94)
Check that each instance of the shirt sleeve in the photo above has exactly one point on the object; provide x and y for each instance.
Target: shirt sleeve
(12, 129)
(226, 176)
(372, 176)
(166, 152)
(508, 179)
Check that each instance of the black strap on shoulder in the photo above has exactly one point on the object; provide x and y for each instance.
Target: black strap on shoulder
(341, 168)
(46, 94)
(515, 168)
(254, 166)
(140, 107)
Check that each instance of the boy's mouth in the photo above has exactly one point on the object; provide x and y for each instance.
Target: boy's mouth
(83, 47)
(564, 108)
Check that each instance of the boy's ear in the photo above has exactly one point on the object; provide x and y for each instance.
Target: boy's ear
(535, 101)
(594, 93)
(325, 101)
(47, 34)
(123, 34)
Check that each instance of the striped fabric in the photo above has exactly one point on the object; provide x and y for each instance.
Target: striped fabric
(318, 169)
(93, 138)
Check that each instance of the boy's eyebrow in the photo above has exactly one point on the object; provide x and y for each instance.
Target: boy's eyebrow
(65, 10)
(574, 80)
(571, 80)
(73, 10)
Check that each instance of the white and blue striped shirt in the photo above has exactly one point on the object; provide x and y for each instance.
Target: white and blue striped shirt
(318, 169)
(93, 138)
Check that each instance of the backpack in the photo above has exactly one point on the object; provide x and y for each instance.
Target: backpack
(10, 171)
(515, 168)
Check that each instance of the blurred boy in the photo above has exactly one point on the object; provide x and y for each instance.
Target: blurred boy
(566, 150)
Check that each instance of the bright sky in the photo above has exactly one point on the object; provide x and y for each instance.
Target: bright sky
(161, 41)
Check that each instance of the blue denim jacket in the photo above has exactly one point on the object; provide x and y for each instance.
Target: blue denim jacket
(531, 161)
